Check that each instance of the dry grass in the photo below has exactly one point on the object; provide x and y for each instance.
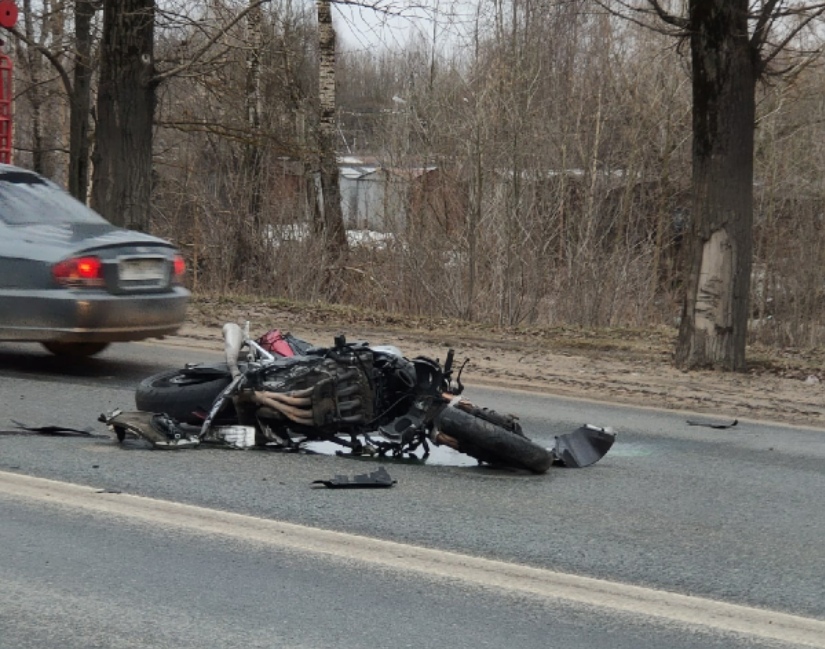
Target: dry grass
(652, 346)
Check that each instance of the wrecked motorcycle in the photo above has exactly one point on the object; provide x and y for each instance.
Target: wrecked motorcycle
(281, 392)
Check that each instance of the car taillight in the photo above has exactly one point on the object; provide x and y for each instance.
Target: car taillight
(79, 271)
(179, 268)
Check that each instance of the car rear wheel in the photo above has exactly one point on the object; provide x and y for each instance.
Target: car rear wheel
(75, 350)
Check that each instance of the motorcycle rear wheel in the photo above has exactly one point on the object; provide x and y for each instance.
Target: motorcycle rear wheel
(493, 444)
(180, 395)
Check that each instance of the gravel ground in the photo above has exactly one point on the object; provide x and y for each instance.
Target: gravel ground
(619, 366)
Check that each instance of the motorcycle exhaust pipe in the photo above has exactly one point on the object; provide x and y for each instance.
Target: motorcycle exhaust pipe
(292, 399)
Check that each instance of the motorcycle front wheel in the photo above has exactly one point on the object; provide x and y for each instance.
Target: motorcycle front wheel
(180, 394)
(492, 444)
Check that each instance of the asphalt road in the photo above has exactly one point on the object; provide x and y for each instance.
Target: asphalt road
(733, 515)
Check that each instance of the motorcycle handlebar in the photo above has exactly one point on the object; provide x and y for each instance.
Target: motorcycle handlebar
(448, 364)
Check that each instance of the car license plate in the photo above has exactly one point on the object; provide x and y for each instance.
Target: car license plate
(142, 270)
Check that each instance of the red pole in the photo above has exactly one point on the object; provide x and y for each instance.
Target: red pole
(6, 70)
(8, 18)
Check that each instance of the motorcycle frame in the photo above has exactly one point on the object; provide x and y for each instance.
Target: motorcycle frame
(416, 435)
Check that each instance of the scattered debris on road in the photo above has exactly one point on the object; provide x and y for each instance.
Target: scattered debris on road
(61, 431)
(376, 480)
(712, 424)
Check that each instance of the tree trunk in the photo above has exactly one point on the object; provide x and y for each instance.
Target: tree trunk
(35, 93)
(253, 157)
(713, 330)
(332, 219)
(122, 178)
(80, 101)
(249, 263)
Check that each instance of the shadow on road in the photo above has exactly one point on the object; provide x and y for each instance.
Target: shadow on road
(31, 361)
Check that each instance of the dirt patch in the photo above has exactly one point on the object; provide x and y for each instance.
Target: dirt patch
(620, 366)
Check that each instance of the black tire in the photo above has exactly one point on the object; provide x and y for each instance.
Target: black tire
(509, 423)
(75, 350)
(493, 444)
(179, 394)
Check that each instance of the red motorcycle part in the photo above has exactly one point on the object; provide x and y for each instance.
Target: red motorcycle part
(274, 342)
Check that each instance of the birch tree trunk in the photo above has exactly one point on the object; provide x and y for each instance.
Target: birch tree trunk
(253, 153)
(331, 216)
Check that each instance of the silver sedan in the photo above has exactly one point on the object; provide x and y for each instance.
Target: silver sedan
(74, 282)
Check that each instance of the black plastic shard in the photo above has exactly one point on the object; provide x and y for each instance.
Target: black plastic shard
(378, 479)
(56, 430)
(584, 446)
(717, 425)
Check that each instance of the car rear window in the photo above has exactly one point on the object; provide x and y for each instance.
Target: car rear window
(27, 198)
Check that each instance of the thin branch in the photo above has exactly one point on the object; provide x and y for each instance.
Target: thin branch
(670, 19)
(794, 32)
(763, 23)
(681, 24)
(47, 54)
(162, 76)
(390, 9)
(800, 9)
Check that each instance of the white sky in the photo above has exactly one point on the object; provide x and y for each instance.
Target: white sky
(364, 28)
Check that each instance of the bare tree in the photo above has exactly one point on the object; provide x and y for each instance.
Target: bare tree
(127, 96)
(80, 99)
(331, 218)
(732, 45)
(536, 173)
(122, 176)
(43, 31)
(41, 49)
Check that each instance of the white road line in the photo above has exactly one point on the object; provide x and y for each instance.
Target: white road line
(539, 582)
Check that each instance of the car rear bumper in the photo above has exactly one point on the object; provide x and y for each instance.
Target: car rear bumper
(87, 316)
